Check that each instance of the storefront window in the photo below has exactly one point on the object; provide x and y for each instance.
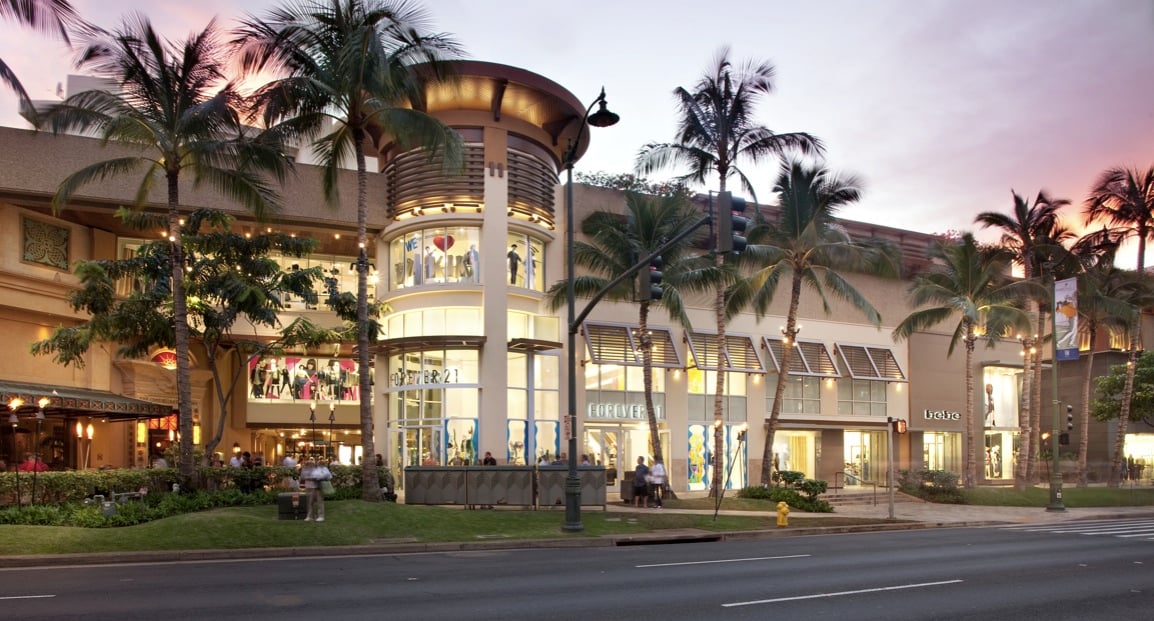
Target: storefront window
(701, 386)
(434, 407)
(1000, 455)
(293, 378)
(435, 256)
(440, 321)
(734, 464)
(861, 397)
(525, 261)
(802, 395)
(533, 402)
(943, 451)
(1002, 387)
(795, 451)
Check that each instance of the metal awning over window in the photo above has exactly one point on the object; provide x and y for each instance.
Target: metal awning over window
(870, 362)
(743, 357)
(621, 344)
(809, 358)
(64, 402)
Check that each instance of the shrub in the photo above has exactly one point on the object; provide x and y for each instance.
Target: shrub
(932, 485)
(792, 497)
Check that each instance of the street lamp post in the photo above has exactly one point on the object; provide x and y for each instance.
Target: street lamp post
(1056, 503)
(313, 421)
(332, 419)
(14, 419)
(36, 444)
(601, 118)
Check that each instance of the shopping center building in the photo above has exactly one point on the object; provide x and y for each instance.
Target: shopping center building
(472, 357)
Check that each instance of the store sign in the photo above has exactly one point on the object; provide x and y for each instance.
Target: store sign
(165, 358)
(429, 376)
(622, 411)
(941, 415)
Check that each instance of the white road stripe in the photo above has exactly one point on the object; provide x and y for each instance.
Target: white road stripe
(26, 597)
(726, 560)
(840, 593)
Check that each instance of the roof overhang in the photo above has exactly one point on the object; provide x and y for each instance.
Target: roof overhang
(69, 402)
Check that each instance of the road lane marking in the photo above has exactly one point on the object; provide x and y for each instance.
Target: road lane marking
(840, 593)
(725, 560)
(25, 597)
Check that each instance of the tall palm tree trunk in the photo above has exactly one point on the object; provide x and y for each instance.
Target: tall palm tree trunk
(1084, 424)
(1025, 400)
(782, 377)
(719, 389)
(1124, 417)
(1131, 369)
(370, 486)
(647, 372)
(969, 477)
(1036, 406)
(180, 332)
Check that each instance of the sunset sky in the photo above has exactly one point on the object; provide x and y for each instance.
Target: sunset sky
(940, 106)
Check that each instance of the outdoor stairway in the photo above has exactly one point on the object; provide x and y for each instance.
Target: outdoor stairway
(844, 498)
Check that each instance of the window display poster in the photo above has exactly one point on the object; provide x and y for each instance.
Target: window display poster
(303, 379)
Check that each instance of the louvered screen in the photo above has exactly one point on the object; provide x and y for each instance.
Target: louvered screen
(886, 364)
(610, 344)
(818, 359)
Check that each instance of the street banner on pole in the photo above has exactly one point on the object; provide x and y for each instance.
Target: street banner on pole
(1066, 318)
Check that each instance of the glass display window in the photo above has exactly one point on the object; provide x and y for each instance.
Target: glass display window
(440, 255)
(1002, 389)
(525, 261)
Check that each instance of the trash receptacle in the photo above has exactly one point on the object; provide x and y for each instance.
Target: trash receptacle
(291, 506)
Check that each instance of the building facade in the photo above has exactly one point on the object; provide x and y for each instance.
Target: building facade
(472, 358)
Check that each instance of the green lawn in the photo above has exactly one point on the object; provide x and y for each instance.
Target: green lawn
(1071, 496)
(349, 522)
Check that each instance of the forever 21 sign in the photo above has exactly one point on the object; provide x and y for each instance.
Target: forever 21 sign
(941, 415)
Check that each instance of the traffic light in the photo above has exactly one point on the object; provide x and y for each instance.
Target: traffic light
(649, 281)
(730, 224)
(1069, 418)
(1064, 438)
(899, 425)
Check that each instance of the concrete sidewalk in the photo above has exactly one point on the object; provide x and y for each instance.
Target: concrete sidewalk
(926, 512)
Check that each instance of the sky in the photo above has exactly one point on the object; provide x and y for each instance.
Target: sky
(940, 107)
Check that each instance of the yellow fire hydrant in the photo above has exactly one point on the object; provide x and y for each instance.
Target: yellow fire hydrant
(782, 514)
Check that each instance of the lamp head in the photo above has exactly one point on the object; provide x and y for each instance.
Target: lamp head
(12, 418)
(15, 403)
(603, 117)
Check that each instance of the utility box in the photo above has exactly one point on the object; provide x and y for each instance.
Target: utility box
(291, 506)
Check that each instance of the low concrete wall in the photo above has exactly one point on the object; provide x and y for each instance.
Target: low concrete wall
(522, 486)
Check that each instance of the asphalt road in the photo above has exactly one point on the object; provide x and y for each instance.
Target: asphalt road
(1067, 571)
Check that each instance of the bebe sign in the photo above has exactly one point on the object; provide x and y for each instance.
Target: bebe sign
(941, 415)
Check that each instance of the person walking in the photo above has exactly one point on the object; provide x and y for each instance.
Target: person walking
(641, 484)
(312, 474)
(657, 483)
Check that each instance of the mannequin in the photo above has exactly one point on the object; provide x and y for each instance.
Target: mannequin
(529, 269)
(472, 264)
(418, 267)
(514, 264)
(430, 264)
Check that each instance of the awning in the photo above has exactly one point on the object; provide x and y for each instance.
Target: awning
(870, 362)
(392, 347)
(809, 358)
(742, 353)
(68, 402)
(621, 344)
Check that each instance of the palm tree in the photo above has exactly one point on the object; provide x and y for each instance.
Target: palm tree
(352, 66)
(616, 242)
(973, 283)
(177, 113)
(1108, 297)
(53, 17)
(1034, 234)
(1125, 199)
(807, 246)
(716, 131)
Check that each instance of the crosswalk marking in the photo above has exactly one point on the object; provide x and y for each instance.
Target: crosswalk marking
(1137, 528)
